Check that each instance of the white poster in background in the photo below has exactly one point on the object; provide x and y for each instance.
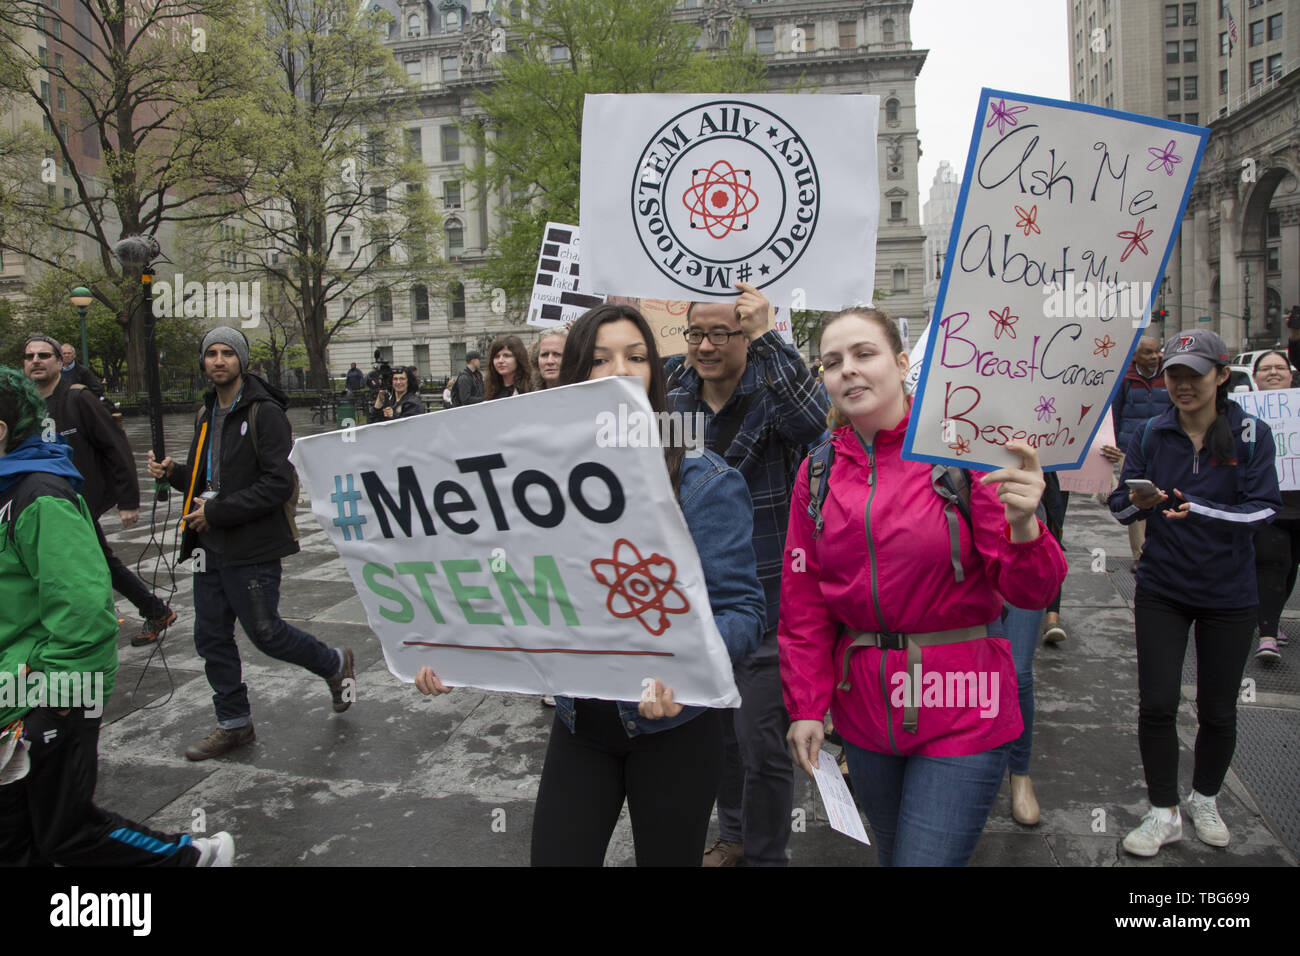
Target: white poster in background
(684, 195)
(1280, 408)
(524, 559)
(557, 298)
(1063, 228)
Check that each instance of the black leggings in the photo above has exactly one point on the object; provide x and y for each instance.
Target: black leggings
(669, 779)
(1277, 556)
(1223, 638)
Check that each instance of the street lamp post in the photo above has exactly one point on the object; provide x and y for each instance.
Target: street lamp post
(81, 298)
(1246, 311)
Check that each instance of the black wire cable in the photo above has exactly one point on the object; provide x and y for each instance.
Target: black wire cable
(170, 565)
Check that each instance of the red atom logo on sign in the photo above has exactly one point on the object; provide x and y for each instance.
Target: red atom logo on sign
(640, 587)
(720, 200)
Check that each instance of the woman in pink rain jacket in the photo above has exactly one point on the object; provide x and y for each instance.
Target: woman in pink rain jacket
(884, 625)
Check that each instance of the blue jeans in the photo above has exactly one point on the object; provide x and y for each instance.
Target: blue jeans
(1021, 628)
(926, 811)
(250, 594)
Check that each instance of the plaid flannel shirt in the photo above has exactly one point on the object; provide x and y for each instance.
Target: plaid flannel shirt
(787, 415)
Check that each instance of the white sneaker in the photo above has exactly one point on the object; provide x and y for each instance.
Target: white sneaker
(1204, 812)
(216, 850)
(1152, 833)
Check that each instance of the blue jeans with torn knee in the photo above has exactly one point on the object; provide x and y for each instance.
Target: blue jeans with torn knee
(251, 595)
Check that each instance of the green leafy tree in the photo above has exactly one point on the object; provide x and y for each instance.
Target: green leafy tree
(323, 154)
(150, 87)
(530, 131)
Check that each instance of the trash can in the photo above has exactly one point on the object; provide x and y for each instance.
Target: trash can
(347, 409)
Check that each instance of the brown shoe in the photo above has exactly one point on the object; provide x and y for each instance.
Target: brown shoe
(1024, 805)
(723, 853)
(219, 742)
(153, 630)
(337, 685)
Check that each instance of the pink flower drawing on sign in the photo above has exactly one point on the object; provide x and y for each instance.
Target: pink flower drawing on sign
(1163, 157)
(1136, 240)
(1003, 115)
(1104, 345)
(961, 446)
(1046, 408)
(1004, 321)
(1028, 220)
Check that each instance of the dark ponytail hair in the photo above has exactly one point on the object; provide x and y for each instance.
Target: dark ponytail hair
(578, 361)
(1218, 438)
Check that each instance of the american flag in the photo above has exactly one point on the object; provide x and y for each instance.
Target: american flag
(1232, 32)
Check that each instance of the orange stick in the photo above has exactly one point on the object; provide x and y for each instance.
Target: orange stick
(194, 475)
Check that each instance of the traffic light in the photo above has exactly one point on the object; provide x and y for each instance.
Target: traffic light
(1159, 315)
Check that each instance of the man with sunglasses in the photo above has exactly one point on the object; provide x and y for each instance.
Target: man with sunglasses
(762, 408)
(103, 457)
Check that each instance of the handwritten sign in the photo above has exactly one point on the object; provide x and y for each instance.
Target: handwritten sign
(556, 298)
(515, 558)
(684, 195)
(1063, 229)
(1280, 409)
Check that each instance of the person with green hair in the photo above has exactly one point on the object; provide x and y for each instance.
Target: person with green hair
(58, 658)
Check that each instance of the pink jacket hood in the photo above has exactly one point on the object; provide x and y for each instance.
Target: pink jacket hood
(828, 581)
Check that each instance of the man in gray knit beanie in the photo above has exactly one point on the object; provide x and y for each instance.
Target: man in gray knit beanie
(225, 335)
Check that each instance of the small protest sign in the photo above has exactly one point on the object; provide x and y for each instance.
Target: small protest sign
(510, 557)
(1064, 225)
(557, 298)
(684, 195)
(669, 322)
(1097, 475)
(1280, 409)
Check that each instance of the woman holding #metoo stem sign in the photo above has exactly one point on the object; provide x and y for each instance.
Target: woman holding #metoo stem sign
(663, 758)
(889, 590)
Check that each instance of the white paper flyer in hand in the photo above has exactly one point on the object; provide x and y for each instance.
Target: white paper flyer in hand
(840, 808)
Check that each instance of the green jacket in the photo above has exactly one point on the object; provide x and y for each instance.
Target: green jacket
(56, 599)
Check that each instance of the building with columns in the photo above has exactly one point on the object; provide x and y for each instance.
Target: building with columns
(447, 48)
(1238, 251)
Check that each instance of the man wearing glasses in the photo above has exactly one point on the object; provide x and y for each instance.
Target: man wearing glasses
(761, 407)
(101, 454)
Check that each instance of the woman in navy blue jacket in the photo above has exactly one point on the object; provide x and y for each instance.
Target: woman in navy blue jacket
(663, 758)
(1215, 481)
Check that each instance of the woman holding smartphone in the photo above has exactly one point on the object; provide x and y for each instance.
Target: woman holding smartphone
(664, 759)
(1202, 476)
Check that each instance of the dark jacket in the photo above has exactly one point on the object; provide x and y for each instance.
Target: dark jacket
(248, 521)
(78, 374)
(99, 448)
(468, 389)
(1208, 558)
(409, 404)
(1138, 399)
(356, 380)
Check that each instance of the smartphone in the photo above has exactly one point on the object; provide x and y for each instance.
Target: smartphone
(1141, 484)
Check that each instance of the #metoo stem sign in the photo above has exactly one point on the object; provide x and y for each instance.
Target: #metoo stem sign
(1064, 226)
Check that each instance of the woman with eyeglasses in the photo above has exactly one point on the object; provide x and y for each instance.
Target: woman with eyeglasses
(1277, 545)
(664, 759)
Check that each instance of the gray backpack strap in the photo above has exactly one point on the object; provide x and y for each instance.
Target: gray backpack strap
(946, 486)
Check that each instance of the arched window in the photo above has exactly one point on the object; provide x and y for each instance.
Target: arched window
(891, 112)
(455, 237)
(419, 303)
(887, 31)
(456, 300)
(413, 25)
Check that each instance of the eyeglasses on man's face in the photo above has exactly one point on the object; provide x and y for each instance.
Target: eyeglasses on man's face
(37, 356)
(718, 337)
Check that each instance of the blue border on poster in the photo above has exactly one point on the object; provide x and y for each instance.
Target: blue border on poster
(1200, 132)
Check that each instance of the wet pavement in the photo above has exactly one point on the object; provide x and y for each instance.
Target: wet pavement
(401, 779)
